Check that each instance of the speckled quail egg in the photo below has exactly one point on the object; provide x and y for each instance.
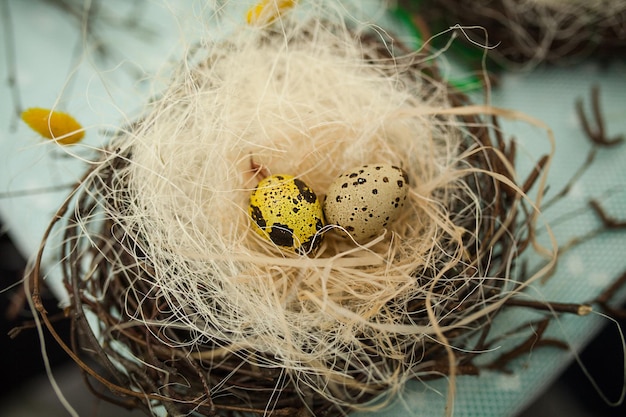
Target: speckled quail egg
(287, 212)
(364, 201)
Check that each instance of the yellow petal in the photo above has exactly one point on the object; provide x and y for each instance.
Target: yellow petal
(266, 11)
(55, 125)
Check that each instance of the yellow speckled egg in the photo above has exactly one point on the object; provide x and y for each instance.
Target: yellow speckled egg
(287, 212)
(365, 200)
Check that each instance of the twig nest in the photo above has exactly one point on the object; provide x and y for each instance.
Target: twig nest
(532, 32)
(202, 309)
(365, 200)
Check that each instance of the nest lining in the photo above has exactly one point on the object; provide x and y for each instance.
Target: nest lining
(199, 313)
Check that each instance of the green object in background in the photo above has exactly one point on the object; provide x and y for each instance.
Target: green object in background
(468, 57)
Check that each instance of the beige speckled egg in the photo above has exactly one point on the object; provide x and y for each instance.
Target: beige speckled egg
(365, 200)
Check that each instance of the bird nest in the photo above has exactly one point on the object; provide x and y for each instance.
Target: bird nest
(531, 32)
(177, 306)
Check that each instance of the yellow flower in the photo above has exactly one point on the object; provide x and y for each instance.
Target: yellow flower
(266, 11)
(55, 125)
